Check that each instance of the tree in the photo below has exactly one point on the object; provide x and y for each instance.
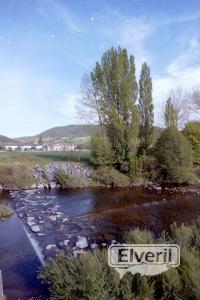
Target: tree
(88, 105)
(112, 95)
(181, 103)
(40, 140)
(196, 100)
(174, 157)
(171, 116)
(192, 133)
(146, 108)
(101, 150)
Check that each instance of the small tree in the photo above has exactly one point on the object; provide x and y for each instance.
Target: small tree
(101, 150)
(192, 133)
(171, 115)
(40, 140)
(146, 108)
(174, 157)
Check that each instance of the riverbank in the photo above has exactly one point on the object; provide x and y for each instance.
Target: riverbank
(24, 172)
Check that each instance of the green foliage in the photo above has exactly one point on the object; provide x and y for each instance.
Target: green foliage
(101, 150)
(115, 86)
(40, 140)
(86, 277)
(67, 181)
(16, 176)
(171, 115)
(110, 176)
(138, 236)
(5, 211)
(90, 277)
(192, 133)
(174, 157)
(146, 108)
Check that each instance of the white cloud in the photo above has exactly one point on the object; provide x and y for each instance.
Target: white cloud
(183, 71)
(60, 11)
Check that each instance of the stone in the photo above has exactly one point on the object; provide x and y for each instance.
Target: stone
(29, 223)
(40, 186)
(30, 219)
(93, 246)
(35, 228)
(52, 218)
(51, 246)
(33, 186)
(78, 252)
(82, 242)
(113, 242)
(64, 243)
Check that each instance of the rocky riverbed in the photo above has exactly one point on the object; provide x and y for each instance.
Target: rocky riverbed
(52, 229)
(77, 220)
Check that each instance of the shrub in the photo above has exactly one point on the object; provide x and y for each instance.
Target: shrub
(16, 176)
(5, 211)
(101, 150)
(192, 133)
(110, 176)
(86, 277)
(138, 236)
(174, 157)
(67, 181)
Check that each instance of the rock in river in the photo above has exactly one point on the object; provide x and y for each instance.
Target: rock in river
(82, 242)
(35, 228)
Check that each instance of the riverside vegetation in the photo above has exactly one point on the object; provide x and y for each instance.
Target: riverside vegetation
(89, 276)
(124, 151)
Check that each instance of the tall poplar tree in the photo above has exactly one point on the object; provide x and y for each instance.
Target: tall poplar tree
(146, 108)
(116, 90)
(171, 115)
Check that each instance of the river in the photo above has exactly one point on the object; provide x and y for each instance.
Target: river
(101, 215)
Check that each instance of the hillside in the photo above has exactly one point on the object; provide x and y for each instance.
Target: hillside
(4, 140)
(70, 133)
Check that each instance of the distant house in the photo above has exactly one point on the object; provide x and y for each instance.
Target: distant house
(39, 147)
(26, 147)
(12, 147)
(59, 147)
(69, 147)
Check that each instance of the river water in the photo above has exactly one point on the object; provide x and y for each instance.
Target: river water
(100, 215)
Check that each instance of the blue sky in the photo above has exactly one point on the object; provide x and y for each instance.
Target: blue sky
(47, 45)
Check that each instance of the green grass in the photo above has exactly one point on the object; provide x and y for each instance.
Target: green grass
(5, 211)
(64, 155)
(16, 168)
(44, 157)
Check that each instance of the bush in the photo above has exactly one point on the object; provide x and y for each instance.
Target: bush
(192, 133)
(16, 176)
(5, 211)
(101, 150)
(111, 177)
(67, 181)
(86, 277)
(174, 157)
(89, 276)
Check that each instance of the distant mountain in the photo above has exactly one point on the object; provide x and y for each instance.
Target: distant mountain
(4, 140)
(71, 131)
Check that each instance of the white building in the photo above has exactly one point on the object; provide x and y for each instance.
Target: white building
(59, 147)
(12, 147)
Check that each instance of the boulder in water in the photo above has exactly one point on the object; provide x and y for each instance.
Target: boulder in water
(35, 228)
(82, 242)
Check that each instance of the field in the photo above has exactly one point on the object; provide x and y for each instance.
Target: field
(43, 157)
